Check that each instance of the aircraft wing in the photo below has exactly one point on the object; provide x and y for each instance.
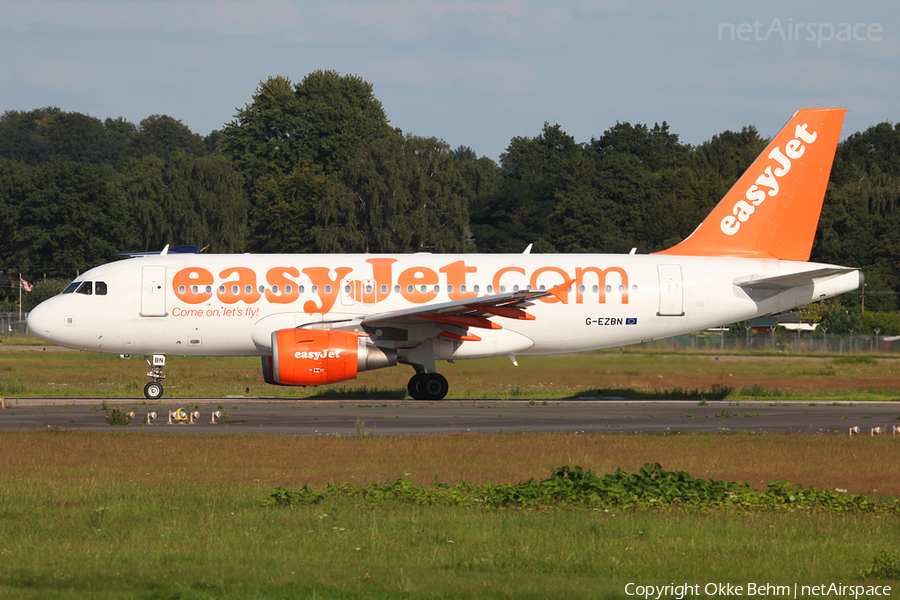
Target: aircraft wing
(783, 282)
(474, 312)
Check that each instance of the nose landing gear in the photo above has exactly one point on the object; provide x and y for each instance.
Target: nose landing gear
(154, 389)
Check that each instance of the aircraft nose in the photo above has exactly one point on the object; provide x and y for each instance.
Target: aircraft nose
(40, 321)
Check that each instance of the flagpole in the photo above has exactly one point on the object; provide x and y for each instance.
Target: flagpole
(20, 300)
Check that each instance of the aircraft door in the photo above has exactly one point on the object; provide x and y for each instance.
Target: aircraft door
(353, 291)
(369, 292)
(349, 292)
(153, 291)
(671, 292)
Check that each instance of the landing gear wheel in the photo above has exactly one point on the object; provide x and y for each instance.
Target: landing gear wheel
(413, 386)
(428, 386)
(153, 390)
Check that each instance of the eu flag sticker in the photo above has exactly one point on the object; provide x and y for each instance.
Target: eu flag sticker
(632, 321)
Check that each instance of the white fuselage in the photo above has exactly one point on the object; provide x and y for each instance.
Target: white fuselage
(228, 305)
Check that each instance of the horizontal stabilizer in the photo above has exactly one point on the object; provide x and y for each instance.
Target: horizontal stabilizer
(784, 282)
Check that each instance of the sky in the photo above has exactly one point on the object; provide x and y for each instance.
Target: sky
(471, 72)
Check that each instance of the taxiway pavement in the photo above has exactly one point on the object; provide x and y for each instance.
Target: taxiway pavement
(349, 417)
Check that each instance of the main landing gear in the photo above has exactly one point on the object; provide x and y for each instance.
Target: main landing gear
(428, 386)
(154, 389)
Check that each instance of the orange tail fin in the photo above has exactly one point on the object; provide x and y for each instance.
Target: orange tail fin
(773, 209)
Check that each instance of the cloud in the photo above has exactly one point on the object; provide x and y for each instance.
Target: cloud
(506, 21)
(805, 76)
(60, 75)
(228, 17)
(495, 76)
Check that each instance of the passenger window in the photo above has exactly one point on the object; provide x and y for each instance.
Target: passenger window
(86, 288)
(100, 288)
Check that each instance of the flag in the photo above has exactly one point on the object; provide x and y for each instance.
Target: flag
(25, 285)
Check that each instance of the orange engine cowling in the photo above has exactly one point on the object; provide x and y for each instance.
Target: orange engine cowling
(319, 356)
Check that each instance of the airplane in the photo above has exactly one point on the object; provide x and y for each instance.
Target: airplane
(320, 319)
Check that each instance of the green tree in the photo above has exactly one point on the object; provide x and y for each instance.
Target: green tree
(839, 319)
(480, 174)
(13, 176)
(161, 135)
(886, 323)
(68, 217)
(655, 148)
(76, 137)
(860, 222)
(729, 153)
(582, 226)
(878, 147)
(629, 193)
(186, 200)
(18, 135)
(519, 210)
(400, 194)
(284, 218)
(685, 196)
(323, 120)
(879, 297)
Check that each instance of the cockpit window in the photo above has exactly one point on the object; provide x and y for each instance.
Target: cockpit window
(86, 288)
(100, 288)
(71, 287)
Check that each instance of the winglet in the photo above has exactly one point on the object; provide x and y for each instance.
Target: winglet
(561, 291)
(773, 209)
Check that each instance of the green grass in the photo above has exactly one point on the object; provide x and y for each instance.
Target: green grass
(146, 515)
(628, 375)
(84, 540)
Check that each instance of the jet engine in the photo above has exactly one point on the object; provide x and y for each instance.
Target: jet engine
(319, 356)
